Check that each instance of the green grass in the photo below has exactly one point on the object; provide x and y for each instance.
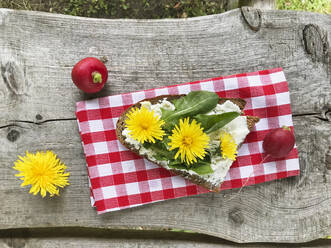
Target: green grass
(143, 8)
(147, 9)
(321, 6)
(150, 9)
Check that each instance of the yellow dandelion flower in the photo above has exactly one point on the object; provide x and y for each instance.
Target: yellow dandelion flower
(44, 171)
(190, 140)
(228, 146)
(144, 125)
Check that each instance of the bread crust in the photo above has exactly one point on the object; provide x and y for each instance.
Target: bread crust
(120, 126)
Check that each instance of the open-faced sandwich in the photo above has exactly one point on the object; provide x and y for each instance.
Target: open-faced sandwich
(196, 135)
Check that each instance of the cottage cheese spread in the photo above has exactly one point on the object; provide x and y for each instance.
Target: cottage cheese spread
(157, 107)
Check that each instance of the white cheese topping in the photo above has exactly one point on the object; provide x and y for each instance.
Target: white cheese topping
(130, 140)
(157, 107)
(227, 106)
(237, 128)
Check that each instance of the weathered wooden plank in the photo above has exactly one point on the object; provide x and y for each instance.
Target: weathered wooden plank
(89, 237)
(136, 243)
(290, 210)
(38, 50)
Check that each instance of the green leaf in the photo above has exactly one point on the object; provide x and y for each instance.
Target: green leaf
(176, 164)
(170, 124)
(160, 157)
(196, 102)
(166, 113)
(147, 145)
(160, 149)
(211, 123)
(201, 167)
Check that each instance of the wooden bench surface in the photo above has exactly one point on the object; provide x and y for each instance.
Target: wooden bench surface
(37, 103)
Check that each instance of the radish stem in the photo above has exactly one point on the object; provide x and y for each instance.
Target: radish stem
(286, 128)
(97, 78)
(265, 158)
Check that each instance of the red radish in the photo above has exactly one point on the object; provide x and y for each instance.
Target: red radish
(89, 75)
(279, 142)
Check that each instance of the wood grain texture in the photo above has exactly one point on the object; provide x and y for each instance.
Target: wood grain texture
(37, 103)
(61, 242)
(102, 238)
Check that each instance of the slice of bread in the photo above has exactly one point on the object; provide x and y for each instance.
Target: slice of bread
(197, 179)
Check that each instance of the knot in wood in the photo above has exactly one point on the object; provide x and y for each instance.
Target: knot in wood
(39, 117)
(315, 41)
(236, 216)
(252, 16)
(13, 77)
(326, 114)
(13, 135)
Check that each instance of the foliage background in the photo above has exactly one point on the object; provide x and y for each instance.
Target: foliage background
(150, 9)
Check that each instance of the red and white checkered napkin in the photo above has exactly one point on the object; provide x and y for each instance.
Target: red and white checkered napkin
(120, 179)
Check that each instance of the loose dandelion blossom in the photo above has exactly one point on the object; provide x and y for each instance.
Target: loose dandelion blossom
(44, 171)
(190, 140)
(228, 146)
(144, 125)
